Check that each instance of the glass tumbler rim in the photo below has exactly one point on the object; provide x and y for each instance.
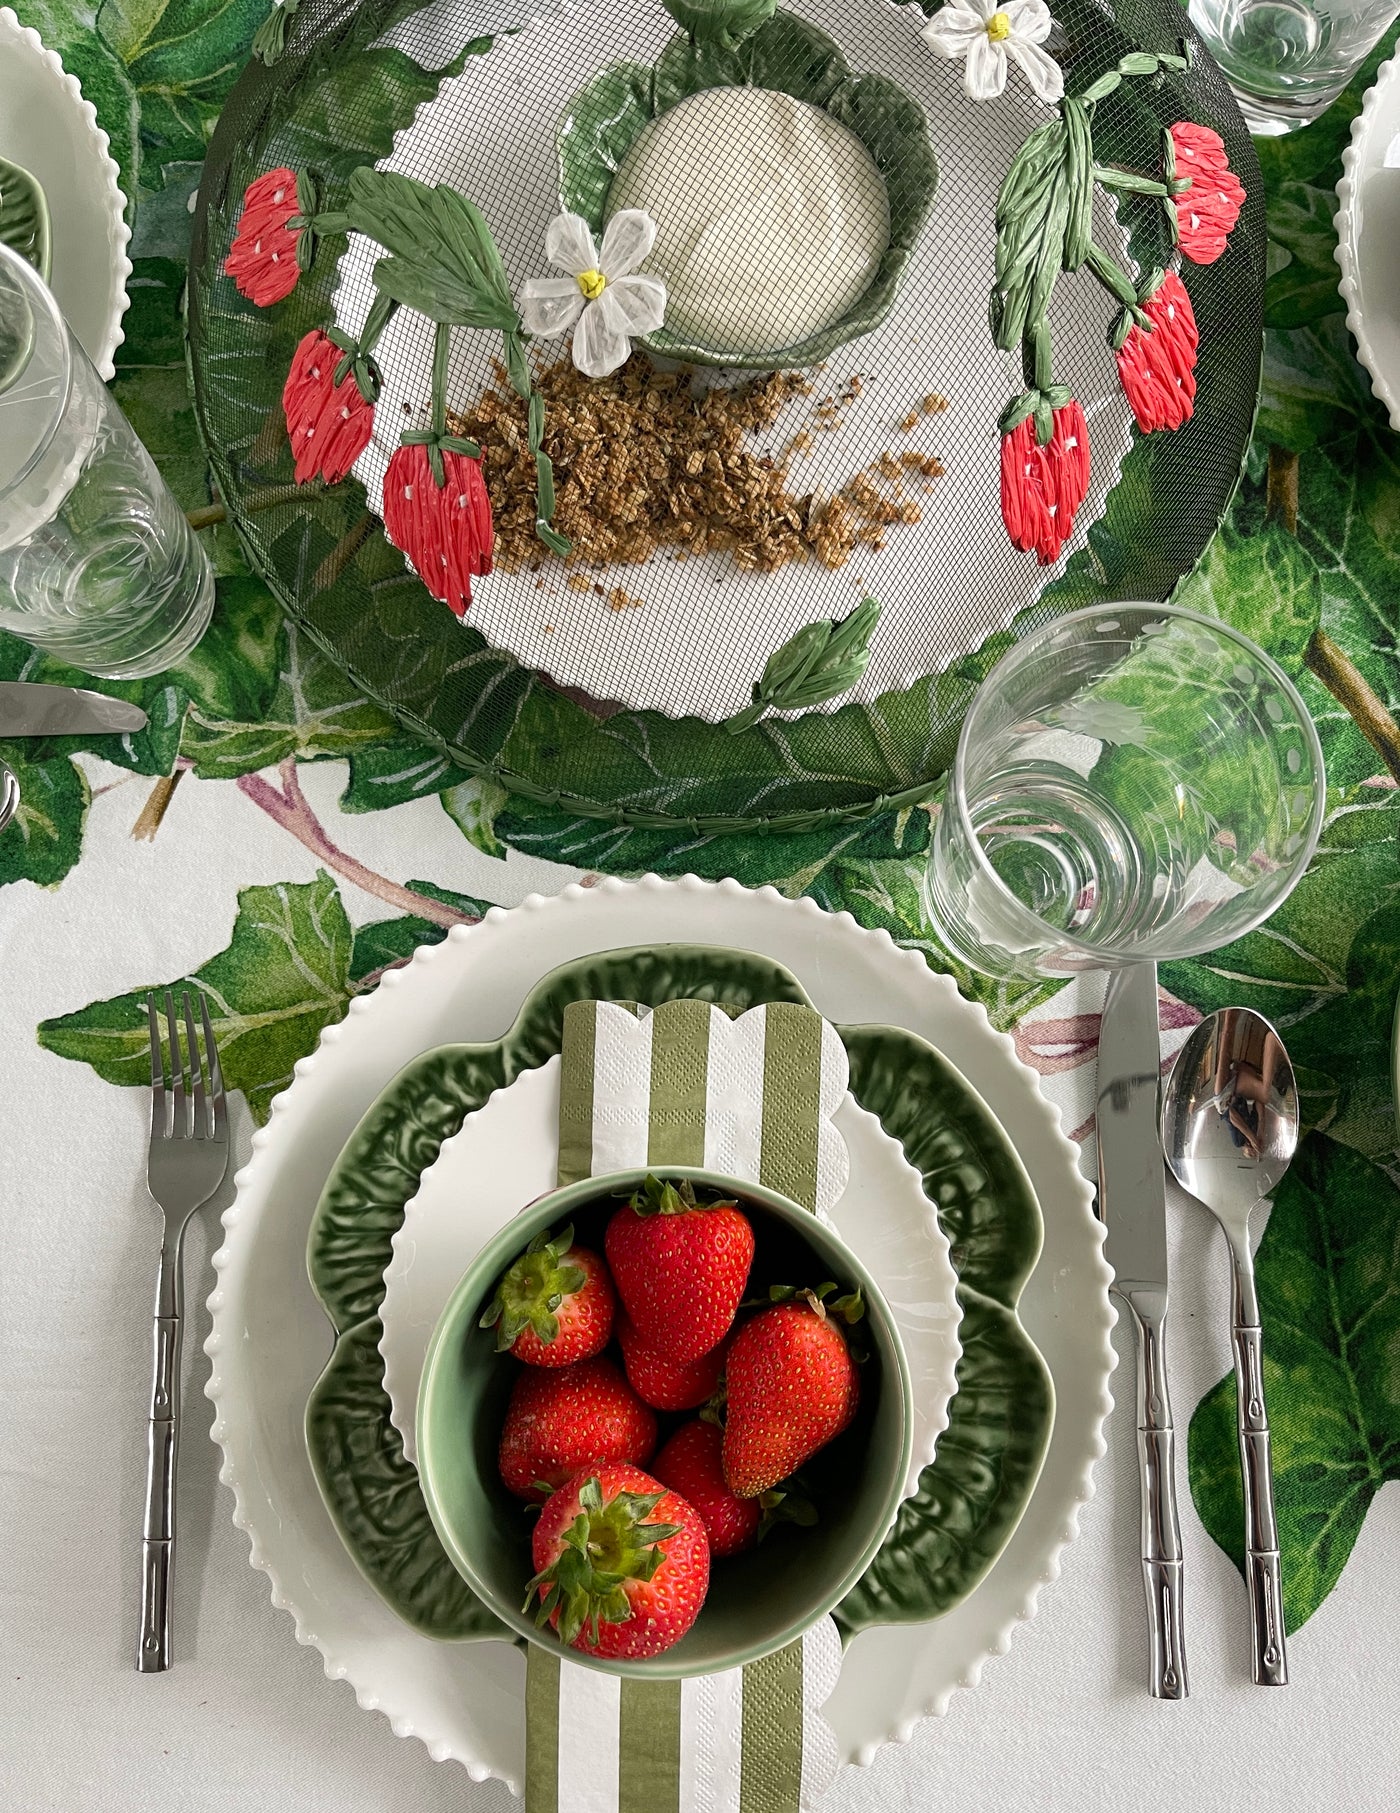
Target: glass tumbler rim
(1171, 950)
(42, 299)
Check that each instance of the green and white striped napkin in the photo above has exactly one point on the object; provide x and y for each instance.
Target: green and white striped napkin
(750, 1097)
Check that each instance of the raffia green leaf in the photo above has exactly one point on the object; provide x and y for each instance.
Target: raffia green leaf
(444, 262)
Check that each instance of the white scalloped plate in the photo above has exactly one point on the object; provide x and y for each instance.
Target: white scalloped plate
(47, 127)
(505, 1156)
(270, 1341)
(1368, 235)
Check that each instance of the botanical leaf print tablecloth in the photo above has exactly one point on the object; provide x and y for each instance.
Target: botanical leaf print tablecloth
(1306, 564)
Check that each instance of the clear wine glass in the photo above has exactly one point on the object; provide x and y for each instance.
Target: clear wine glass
(1131, 782)
(98, 564)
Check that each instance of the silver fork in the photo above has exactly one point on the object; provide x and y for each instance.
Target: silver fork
(185, 1166)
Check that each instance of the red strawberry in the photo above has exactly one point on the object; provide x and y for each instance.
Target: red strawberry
(791, 1387)
(555, 1305)
(690, 1464)
(622, 1564)
(660, 1381)
(680, 1267)
(562, 1418)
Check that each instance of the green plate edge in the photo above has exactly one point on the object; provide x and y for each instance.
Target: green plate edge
(24, 216)
(607, 115)
(327, 562)
(969, 1501)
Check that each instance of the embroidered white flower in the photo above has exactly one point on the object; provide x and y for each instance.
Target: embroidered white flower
(601, 293)
(986, 32)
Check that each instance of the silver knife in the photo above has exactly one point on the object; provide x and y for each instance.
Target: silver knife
(27, 710)
(1133, 1206)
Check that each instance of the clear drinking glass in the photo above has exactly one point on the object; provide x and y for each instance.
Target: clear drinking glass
(98, 564)
(1288, 60)
(1131, 782)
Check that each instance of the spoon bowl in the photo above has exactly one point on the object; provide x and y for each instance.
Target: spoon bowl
(1230, 1113)
(1229, 1125)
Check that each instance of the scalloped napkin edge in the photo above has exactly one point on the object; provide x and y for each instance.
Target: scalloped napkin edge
(750, 1097)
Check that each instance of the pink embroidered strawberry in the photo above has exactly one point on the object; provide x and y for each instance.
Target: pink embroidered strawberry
(1042, 486)
(262, 260)
(791, 1386)
(554, 1305)
(622, 1564)
(664, 1383)
(680, 1266)
(444, 527)
(328, 423)
(691, 1464)
(561, 1419)
(1157, 365)
(1206, 212)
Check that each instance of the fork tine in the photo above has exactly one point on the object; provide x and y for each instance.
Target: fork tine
(177, 1072)
(216, 1075)
(160, 1105)
(201, 1119)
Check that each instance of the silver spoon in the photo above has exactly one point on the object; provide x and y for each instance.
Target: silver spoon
(9, 794)
(1229, 1130)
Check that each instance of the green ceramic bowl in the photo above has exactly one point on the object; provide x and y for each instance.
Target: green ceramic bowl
(757, 1602)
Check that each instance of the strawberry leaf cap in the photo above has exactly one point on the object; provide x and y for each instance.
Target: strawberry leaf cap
(532, 1288)
(661, 1196)
(607, 1545)
(823, 1301)
(786, 1503)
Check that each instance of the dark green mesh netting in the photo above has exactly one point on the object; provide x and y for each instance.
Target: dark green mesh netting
(577, 730)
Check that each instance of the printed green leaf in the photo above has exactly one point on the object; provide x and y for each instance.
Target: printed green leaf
(888, 896)
(1304, 288)
(1323, 971)
(1314, 387)
(1334, 574)
(314, 714)
(394, 771)
(182, 57)
(284, 975)
(1329, 1296)
(44, 839)
(290, 969)
(386, 943)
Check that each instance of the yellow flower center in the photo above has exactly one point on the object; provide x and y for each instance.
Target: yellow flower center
(592, 283)
(998, 27)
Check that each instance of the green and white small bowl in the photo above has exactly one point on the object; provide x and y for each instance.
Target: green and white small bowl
(757, 1602)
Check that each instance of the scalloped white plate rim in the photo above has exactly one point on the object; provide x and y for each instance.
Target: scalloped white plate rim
(517, 1166)
(1355, 170)
(99, 330)
(853, 974)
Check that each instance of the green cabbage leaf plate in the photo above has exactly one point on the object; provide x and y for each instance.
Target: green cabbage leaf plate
(969, 1501)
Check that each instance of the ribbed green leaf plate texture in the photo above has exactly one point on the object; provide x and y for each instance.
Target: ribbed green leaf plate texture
(969, 1501)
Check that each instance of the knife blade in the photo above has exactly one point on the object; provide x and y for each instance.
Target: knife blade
(30, 710)
(1132, 1203)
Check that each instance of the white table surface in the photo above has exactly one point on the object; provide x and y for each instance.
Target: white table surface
(247, 1720)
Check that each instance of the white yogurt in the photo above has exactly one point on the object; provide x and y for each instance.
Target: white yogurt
(771, 216)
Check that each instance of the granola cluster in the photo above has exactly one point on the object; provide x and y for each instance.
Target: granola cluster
(645, 461)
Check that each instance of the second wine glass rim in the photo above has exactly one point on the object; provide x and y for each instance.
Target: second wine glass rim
(1019, 652)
